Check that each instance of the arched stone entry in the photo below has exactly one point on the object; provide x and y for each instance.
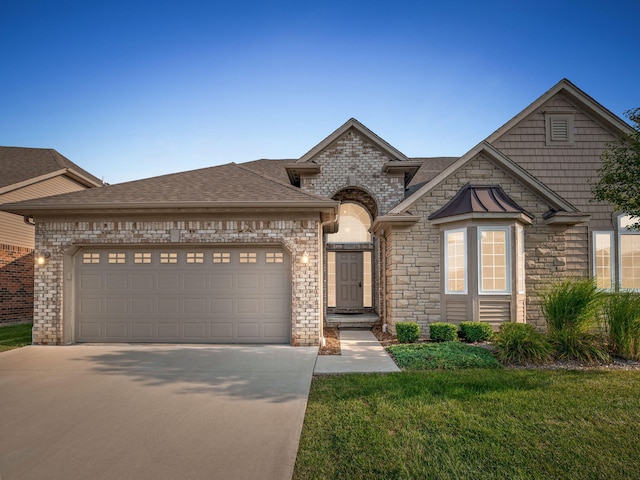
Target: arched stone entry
(351, 255)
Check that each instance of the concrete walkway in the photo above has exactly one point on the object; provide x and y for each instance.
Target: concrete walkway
(361, 353)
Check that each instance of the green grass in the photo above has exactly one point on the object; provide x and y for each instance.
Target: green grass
(480, 424)
(15, 336)
(445, 356)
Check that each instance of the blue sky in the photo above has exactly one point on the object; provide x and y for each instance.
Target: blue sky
(133, 89)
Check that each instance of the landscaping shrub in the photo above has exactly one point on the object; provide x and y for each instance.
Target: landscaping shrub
(476, 331)
(571, 304)
(621, 313)
(443, 332)
(442, 356)
(571, 309)
(521, 343)
(407, 332)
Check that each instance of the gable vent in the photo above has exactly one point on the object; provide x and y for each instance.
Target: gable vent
(559, 130)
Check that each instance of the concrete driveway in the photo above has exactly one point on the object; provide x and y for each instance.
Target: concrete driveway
(152, 412)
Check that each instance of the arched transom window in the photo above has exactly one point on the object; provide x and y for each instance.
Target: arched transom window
(355, 223)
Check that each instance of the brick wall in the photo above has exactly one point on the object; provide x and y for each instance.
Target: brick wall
(295, 234)
(351, 161)
(16, 284)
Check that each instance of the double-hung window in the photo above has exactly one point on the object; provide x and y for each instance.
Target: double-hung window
(494, 260)
(455, 261)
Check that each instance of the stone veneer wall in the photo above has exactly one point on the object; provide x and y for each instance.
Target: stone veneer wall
(294, 234)
(351, 161)
(16, 284)
(413, 258)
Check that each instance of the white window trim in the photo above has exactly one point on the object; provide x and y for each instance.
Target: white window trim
(521, 276)
(507, 231)
(594, 271)
(622, 231)
(446, 262)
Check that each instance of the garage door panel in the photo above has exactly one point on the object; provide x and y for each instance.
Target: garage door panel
(248, 330)
(168, 306)
(194, 295)
(117, 331)
(90, 282)
(90, 330)
(193, 331)
(169, 331)
(90, 306)
(168, 282)
(141, 282)
(221, 281)
(142, 331)
(195, 306)
(116, 306)
(142, 306)
(117, 282)
(195, 282)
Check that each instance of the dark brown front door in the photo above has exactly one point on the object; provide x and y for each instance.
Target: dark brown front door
(349, 280)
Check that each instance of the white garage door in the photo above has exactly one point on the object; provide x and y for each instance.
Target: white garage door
(183, 295)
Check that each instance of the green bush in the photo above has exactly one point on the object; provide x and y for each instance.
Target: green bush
(521, 343)
(407, 332)
(476, 331)
(571, 308)
(442, 356)
(443, 332)
(621, 313)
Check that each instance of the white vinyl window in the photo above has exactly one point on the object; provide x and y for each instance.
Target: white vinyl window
(602, 255)
(455, 261)
(629, 253)
(494, 262)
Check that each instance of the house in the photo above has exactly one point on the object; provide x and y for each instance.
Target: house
(27, 173)
(270, 251)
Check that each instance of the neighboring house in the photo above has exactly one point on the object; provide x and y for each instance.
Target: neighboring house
(271, 251)
(27, 173)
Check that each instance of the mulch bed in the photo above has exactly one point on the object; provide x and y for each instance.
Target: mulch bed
(332, 339)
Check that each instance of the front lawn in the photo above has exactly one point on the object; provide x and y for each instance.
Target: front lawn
(493, 424)
(15, 336)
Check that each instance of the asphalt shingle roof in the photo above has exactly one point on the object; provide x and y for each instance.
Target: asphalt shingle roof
(19, 164)
(212, 186)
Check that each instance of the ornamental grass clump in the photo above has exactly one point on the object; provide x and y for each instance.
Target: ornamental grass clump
(621, 313)
(571, 309)
(521, 343)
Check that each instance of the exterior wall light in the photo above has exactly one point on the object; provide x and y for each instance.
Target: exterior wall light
(305, 257)
(42, 258)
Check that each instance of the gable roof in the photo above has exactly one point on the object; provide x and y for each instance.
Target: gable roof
(223, 187)
(577, 96)
(354, 124)
(555, 201)
(21, 166)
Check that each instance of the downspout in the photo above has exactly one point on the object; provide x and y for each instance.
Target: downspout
(323, 341)
(28, 220)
